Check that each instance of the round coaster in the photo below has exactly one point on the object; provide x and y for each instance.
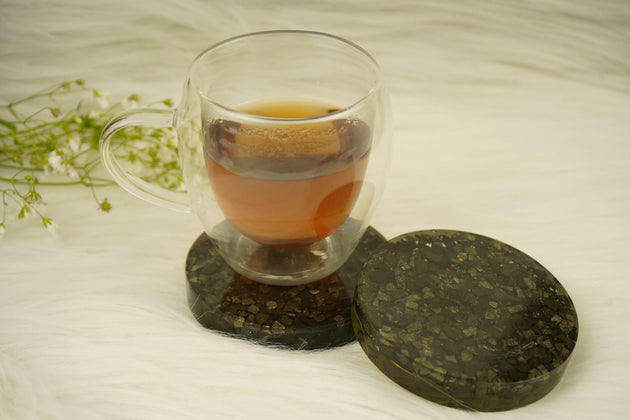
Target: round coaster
(464, 320)
(309, 316)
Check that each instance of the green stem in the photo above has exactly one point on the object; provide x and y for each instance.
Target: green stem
(59, 88)
(97, 182)
(17, 168)
(41, 126)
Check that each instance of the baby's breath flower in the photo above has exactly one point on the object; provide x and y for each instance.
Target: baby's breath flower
(69, 169)
(54, 162)
(33, 197)
(50, 226)
(131, 101)
(104, 206)
(101, 99)
(64, 142)
(25, 211)
(74, 141)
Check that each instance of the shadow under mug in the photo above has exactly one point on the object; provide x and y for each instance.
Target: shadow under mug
(283, 140)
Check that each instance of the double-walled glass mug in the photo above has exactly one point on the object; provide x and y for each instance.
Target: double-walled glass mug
(283, 141)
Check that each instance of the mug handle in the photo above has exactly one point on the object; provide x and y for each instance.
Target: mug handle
(148, 117)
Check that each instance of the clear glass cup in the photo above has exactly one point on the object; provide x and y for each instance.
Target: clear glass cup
(284, 141)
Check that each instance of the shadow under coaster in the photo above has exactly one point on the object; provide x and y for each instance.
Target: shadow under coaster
(310, 316)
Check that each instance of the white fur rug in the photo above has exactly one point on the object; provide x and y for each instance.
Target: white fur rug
(512, 120)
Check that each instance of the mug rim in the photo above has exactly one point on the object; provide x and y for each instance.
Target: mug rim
(245, 115)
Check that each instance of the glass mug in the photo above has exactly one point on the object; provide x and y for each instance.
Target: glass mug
(283, 140)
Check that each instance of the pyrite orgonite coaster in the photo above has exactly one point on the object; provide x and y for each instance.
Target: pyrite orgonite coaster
(309, 316)
(464, 320)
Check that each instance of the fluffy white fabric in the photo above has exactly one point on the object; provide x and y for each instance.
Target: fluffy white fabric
(512, 120)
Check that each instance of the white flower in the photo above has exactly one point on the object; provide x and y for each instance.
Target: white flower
(50, 226)
(55, 162)
(131, 102)
(74, 142)
(101, 99)
(59, 164)
(71, 171)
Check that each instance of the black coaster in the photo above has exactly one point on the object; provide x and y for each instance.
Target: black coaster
(464, 320)
(310, 316)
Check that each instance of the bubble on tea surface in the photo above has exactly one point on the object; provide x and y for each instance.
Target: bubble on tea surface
(287, 141)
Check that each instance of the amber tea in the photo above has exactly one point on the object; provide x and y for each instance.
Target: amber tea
(285, 191)
(293, 181)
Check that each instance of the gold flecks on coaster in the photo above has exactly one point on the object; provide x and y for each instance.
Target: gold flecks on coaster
(464, 320)
(309, 316)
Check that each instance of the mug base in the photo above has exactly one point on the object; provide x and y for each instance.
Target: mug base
(309, 316)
